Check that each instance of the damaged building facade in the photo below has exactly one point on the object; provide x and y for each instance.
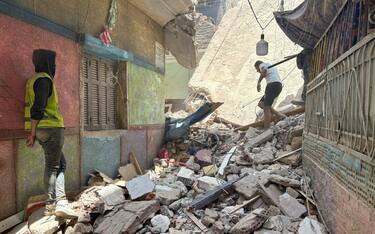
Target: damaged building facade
(338, 144)
(111, 96)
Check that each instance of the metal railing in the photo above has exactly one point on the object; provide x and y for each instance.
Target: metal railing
(341, 100)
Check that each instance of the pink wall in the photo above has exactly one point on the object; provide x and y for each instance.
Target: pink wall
(18, 39)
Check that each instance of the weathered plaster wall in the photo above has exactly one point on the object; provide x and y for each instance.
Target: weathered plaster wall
(146, 95)
(342, 209)
(134, 31)
(8, 180)
(30, 169)
(18, 41)
(176, 79)
(100, 150)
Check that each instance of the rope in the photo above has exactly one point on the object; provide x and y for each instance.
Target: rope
(256, 17)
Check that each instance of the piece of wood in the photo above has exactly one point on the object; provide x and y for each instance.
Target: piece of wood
(309, 199)
(196, 221)
(287, 154)
(11, 221)
(260, 123)
(226, 160)
(245, 203)
(128, 172)
(134, 161)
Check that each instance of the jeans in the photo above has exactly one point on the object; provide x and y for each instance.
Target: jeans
(52, 141)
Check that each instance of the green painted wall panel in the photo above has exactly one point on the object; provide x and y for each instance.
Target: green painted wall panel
(30, 169)
(146, 95)
(177, 79)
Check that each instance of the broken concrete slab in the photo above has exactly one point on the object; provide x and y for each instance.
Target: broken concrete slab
(271, 193)
(208, 221)
(140, 186)
(160, 223)
(127, 218)
(251, 133)
(204, 157)
(247, 187)
(311, 226)
(278, 223)
(41, 224)
(166, 194)
(186, 176)
(284, 181)
(260, 139)
(292, 192)
(232, 177)
(84, 228)
(250, 222)
(111, 195)
(291, 207)
(264, 157)
(208, 183)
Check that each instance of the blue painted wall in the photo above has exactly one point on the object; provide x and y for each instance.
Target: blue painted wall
(100, 151)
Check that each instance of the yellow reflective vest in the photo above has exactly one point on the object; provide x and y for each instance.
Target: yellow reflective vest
(52, 116)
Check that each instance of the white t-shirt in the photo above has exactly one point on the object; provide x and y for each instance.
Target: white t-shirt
(272, 73)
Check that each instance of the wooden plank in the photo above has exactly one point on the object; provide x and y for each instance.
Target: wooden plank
(245, 204)
(257, 124)
(11, 221)
(196, 221)
(287, 154)
(134, 161)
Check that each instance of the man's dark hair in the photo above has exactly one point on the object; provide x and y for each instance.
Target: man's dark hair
(257, 63)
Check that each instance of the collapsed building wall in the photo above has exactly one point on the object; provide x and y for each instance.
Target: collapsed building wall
(226, 72)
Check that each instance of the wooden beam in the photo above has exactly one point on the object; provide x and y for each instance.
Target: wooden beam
(260, 123)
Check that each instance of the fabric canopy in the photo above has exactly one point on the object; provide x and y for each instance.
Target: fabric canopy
(306, 24)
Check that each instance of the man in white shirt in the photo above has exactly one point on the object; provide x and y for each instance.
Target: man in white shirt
(273, 89)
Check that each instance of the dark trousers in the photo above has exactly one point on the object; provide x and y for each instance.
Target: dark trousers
(52, 141)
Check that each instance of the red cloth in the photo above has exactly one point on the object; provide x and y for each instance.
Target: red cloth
(105, 37)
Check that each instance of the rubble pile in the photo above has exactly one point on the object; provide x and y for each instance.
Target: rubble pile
(214, 180)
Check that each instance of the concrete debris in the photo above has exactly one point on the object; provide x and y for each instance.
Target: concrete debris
(260, 139)
(277, 179)
(247, 187)
(233, 184)
(166, 194)
(250, 222)
(210, 170)
(160, 223)
(208, 183)
(291, 207)
(292, 192)
(186, 176)
(204, 156)
(41, 224)
(296, 143)
(140, 186)
(111, 195)
(127, 218)
(311, 226)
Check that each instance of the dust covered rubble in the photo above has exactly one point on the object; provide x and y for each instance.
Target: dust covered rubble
(215, 180)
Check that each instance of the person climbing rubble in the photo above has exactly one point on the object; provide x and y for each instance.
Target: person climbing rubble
(45, 121)
(273, 89)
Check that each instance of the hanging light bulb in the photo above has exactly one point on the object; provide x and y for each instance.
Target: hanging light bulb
(262, 46)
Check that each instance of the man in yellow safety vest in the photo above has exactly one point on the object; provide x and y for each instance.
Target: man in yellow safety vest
(44, 119)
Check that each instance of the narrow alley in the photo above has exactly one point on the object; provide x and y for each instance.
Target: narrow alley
(187, 116)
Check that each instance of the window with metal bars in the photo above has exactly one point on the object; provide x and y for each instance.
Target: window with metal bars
(99, 94)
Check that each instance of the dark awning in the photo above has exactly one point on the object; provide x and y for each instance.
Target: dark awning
(306, 24)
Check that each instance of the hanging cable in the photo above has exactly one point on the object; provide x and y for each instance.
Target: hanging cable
(256, 18)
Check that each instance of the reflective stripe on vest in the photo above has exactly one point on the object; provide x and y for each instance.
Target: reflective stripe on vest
(52, 117)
